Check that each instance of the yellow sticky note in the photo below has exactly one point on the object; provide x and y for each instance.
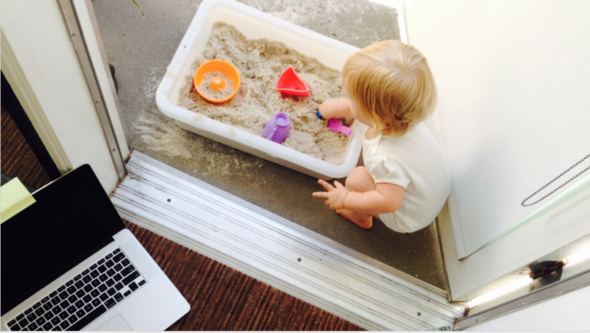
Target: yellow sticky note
(14, 197)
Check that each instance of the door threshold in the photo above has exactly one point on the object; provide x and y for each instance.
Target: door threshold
(277, 251)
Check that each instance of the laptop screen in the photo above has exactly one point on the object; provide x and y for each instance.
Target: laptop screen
(71, 219)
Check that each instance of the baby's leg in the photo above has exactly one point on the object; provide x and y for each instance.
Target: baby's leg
(359, 180)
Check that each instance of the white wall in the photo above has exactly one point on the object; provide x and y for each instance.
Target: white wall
(513, 80)
(44, 62)
(565, 313)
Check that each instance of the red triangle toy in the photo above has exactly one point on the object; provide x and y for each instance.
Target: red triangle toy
(290, 83)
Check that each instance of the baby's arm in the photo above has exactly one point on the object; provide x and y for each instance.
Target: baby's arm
(336, 108)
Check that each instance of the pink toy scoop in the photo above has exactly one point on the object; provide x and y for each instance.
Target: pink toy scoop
(335, 125)
(290, 83)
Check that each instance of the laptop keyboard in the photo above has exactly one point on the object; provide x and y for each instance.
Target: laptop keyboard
(84, 298)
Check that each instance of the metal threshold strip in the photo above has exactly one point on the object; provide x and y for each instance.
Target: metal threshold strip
(277, 251)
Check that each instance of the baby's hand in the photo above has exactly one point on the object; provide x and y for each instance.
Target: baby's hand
(336, 195)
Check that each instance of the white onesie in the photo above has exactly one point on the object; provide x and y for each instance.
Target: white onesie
(413, 161)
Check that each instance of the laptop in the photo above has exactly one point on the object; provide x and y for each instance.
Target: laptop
(68, 263)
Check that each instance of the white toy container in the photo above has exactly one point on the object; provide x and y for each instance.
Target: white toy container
(254, 24)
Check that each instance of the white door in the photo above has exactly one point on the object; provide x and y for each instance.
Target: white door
(514, 80)
(513, 115)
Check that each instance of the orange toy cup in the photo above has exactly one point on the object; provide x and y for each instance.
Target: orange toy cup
(224, 67)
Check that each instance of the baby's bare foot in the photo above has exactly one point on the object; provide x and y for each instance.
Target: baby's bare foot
(364, 221)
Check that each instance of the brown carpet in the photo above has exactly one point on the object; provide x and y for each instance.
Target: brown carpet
(18, 160)
(221, 298)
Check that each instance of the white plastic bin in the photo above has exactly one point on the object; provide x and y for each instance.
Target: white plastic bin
(254, 24)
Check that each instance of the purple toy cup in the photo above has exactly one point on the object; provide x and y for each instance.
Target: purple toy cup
(278, 128)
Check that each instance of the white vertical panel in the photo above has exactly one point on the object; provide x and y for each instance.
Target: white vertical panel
(513, 78)
(470, 46)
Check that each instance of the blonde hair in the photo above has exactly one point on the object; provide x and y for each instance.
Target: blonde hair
(391, 84)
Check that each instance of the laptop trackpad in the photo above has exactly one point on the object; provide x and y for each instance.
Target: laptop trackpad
(117, 323)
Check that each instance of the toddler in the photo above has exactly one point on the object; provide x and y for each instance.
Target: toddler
(405, 181)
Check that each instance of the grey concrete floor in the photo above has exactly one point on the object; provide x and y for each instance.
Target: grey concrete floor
(141, 48)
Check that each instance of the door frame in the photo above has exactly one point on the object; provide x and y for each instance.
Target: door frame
(81, 21)
(64, 84)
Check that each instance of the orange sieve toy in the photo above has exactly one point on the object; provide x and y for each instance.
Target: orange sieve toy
(217, 83)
